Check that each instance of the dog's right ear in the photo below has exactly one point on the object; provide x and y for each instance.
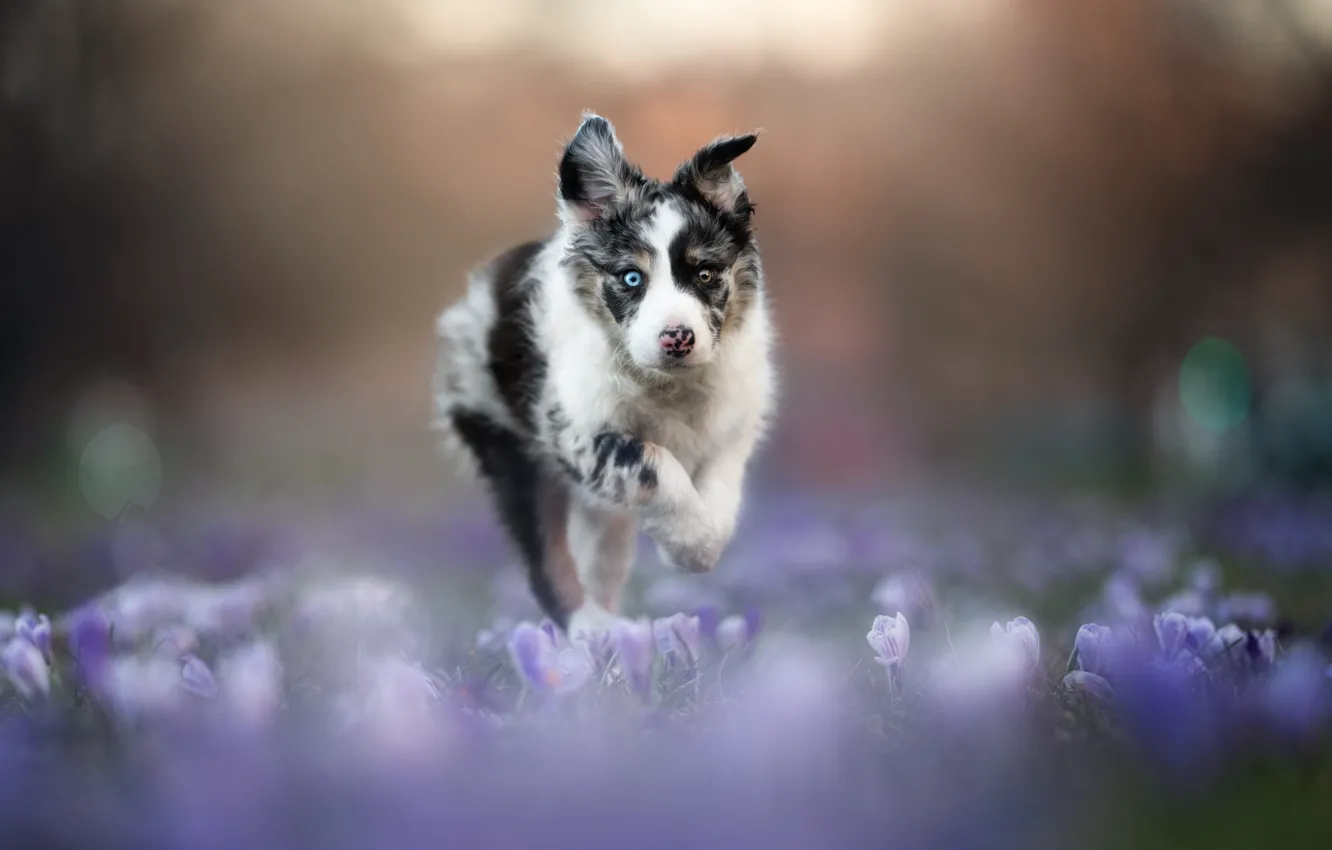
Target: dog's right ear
(593, 171)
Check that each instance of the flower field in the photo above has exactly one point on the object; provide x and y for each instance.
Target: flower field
(934, 671)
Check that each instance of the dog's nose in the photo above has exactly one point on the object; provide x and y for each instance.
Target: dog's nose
(677, 341)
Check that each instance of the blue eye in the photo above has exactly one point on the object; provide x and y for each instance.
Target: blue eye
(632, 278)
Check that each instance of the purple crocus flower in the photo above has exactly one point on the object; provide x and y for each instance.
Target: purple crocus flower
(23, 662)
(1021, 637)
(678, 636)
(196, 678)
(41, 634)
(1089, 683)
(27, 618)
(90, 643)
(543, 665)
(1106, 651)
(573, 668)
(632, 642)
(552, 631)
(34, 628)
(1092, 643)
(890, 638)
(1200, 633)
(530, 648)
(1266, 645)
(1226, 641)
(709, 619)
(1172, 630)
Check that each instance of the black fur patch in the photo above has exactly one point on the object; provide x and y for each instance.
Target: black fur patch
(647, 476)
(622, 301)
(518, 366)
(707, 242)
(514, 479)
(614, 450)
(593, 170)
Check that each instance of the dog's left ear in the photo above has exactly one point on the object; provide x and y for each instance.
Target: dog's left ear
(712, 173)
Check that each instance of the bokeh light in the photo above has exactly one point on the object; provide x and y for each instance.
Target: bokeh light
(120, 468)
(1214, 385)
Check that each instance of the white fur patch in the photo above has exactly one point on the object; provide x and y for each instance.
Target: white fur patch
(666, 305)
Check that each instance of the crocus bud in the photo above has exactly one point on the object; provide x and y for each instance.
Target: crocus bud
(1021, 636)
(90, 644)
(678, 637)
(1226, 641)
(196, 678)
(1172, 630)
(26, 667)
(531, 650)
(1093, 646)
(1201, 632)
(890, 638)
(41, 634)
(709, 620)
(632, 642)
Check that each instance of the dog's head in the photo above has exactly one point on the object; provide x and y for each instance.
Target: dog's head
(668, 268)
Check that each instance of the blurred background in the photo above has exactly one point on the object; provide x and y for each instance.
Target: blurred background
(1031, 242)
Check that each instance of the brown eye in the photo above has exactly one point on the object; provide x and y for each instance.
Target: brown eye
(706, 276)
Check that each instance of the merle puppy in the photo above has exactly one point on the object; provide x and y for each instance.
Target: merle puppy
(617, 375)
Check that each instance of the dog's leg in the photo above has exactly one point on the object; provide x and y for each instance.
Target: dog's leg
(533, 507)
(720, 487)
(604, 542)
(558, 570)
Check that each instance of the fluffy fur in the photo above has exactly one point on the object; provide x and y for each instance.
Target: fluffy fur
(616, 376)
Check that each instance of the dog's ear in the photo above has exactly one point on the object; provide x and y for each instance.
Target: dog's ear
(593, 171)
(711, 172)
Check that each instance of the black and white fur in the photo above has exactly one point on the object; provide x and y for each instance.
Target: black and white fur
(570, 390)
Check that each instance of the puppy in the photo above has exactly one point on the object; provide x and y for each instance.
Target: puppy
(616, 376)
